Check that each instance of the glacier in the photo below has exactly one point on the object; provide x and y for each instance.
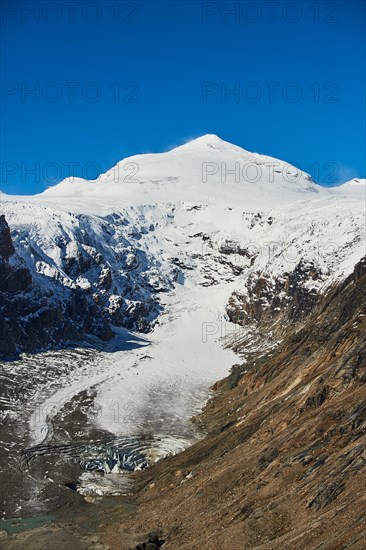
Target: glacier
(160, 244)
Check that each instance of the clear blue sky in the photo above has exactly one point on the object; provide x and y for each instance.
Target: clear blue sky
(158, 57)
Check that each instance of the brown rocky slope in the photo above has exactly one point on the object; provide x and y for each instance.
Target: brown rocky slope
(284, 462)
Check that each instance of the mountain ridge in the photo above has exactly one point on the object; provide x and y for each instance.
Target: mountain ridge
(204, 166)
(197, 164)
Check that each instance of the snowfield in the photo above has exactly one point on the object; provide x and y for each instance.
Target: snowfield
(179, 231)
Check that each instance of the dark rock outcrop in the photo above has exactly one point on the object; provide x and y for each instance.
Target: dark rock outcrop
(14, 276)
(153, 542)
(288, 297)
(6, 244)
(33, 318)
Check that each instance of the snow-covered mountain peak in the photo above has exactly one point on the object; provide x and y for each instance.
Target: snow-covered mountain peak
(354, 188)
(207, 169)
(359, 183)
(209, 141)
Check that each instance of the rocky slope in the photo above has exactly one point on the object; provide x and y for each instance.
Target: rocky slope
(284, 461)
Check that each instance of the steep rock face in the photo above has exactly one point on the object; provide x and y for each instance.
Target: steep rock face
(36, 313)
(6, 244)
(284, 462)
(289, 296)
(14, 276)
(15, 279)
